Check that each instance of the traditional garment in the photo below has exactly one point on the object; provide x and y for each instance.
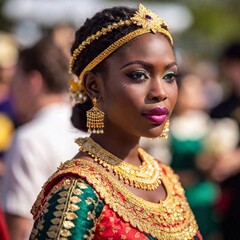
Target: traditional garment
(82, 201)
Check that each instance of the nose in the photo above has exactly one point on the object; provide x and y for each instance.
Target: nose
(157, 91)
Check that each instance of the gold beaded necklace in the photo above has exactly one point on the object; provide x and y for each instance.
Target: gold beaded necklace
(147, 176)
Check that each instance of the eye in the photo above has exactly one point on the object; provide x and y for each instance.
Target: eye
(138, 75)
(170, 77)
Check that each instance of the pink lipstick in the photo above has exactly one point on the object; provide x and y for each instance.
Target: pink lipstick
(157, 115)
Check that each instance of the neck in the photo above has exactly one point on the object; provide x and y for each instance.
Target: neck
(125, 148)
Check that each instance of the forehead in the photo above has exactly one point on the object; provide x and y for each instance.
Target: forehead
(154, 48)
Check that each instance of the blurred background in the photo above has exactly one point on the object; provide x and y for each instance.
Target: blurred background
(202, 27)
(204, 151)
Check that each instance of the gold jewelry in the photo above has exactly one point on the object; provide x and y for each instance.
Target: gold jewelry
(147, 176)
(165, 131)
(95, 119)
(144, 18)
(169, 219)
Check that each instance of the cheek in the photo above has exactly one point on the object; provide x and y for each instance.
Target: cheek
(120, 100)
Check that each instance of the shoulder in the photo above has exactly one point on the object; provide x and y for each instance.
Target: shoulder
(68, 190)
(168, 173)
(166, 169)
(53, 132)
(70, 205)
(29, 132)
(72, 174)
(48, 118)
(22, 142)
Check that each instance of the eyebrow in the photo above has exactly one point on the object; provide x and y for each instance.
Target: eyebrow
(149, 65)
(171, 65)
(137, 62)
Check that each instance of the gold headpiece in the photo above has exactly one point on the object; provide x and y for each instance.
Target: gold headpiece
(144, 18)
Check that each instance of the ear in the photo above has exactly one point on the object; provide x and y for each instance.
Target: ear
(92, 83)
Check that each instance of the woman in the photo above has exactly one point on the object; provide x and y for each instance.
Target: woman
(112, 189)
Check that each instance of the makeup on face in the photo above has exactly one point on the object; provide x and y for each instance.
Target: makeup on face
(144, 80)
(157, 115)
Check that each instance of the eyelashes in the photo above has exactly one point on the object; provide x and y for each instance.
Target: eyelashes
(139, 75)
(143, 75)
(170, 76)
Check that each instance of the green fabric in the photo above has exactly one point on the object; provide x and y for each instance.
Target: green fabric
(184, 152)
(150, 237)
(196, 238)
(201, 198)
(203, 193)
(206, 191)
(89, 208)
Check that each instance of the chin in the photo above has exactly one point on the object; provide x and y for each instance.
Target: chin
(152, 135)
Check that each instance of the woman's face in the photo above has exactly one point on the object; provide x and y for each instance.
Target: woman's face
(139, 90)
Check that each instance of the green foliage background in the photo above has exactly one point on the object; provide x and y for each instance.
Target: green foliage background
(215, 23)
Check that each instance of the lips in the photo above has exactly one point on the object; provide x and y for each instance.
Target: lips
(157, 115)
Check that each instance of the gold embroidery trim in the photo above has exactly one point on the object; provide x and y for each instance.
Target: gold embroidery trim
(65, 211)
(64, 214)
(170, 219)
(39, 220)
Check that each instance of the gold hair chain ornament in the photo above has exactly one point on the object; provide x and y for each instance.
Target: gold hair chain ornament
(147, 176)
(95, 119)
(144, 18)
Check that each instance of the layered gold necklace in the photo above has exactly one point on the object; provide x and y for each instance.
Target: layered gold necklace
(147, 176)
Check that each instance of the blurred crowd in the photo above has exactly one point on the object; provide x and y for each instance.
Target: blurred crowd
(36, 134)
(36, 131)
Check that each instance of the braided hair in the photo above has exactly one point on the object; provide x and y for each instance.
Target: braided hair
(100, 20)
(91, 26)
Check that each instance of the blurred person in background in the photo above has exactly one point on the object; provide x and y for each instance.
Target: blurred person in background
(65, 43)
(189, 127)
(212, 88)
(8, 58)
(226, 168)
(38, 92)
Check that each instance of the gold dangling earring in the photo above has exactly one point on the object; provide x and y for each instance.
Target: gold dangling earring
(165, 131)
(95, 119)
